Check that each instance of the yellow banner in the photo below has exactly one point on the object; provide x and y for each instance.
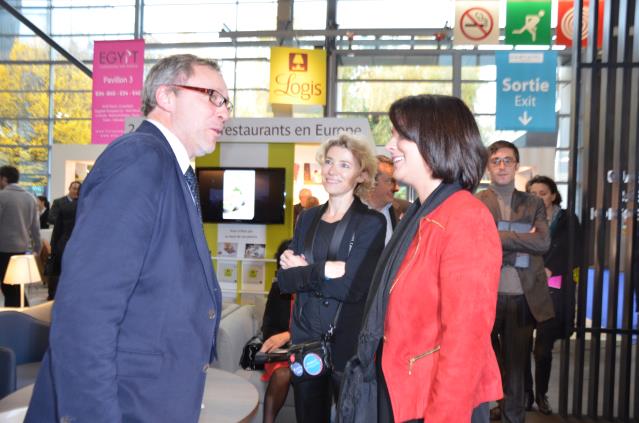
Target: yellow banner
(298, 76)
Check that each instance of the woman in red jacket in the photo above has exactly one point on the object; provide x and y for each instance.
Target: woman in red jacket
(424, 352)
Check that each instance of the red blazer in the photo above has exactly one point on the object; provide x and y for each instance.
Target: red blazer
(438, 360)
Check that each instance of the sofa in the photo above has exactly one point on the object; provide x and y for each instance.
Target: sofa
(24, 340)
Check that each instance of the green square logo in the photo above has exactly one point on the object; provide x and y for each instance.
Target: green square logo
(528, 22)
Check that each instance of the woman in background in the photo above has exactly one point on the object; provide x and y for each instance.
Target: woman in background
(322, 279)
(43, 208)
(560, 286)
(425, 352)
(275, 331)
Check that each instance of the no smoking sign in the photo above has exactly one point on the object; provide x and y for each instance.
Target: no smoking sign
(476, 25)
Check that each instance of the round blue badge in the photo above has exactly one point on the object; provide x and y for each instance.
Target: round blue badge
(313, 364)
(297, 369)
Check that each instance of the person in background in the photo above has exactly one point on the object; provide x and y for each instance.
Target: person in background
(326, 282)
(138, 305)
(72, 195)
(62, 229)
(523, 292)
(304, 195)
(382, 196)
(312, 202)
(424, 351)
(19, 228)
(560, 285)
(275, 331)
(43, 208)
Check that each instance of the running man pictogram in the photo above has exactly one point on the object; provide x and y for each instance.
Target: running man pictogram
(530, 25)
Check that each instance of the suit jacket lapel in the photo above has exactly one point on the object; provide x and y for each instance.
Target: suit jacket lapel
(194, 219)
(198, 234)
(491, 202)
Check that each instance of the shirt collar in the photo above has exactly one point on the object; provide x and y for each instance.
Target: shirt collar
(176, 145)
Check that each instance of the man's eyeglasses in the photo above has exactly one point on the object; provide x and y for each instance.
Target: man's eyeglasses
(507, 161)
(215, 97)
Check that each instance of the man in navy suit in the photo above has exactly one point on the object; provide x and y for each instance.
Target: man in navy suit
(138, 305)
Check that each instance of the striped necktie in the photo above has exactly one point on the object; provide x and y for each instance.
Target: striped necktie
(191, 181)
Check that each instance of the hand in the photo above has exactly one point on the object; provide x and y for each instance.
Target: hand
(289, 259)
(334, 269)
(275, 341)
(548, 272)
(533, 230)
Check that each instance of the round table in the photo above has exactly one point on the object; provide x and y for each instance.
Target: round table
(227, 398)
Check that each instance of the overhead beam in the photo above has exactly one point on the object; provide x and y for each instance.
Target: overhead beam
(19, 16)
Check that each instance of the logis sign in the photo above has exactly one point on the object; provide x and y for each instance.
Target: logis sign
(526, 90)
(298, 76)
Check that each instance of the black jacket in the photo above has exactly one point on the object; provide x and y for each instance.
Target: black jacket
(556, 260)
(317, 298)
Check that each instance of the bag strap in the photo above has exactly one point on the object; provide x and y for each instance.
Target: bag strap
(333, 248)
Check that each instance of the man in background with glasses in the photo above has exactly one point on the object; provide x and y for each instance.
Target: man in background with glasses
(382, 195)
(138, 304)
(523, 295)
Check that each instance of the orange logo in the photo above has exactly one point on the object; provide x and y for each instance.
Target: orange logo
(297, 62)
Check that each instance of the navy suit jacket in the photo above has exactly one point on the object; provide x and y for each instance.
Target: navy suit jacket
(138, 305)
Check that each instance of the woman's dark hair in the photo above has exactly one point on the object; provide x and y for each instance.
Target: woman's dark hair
(44, 200)
(552, 186)
(446, 134)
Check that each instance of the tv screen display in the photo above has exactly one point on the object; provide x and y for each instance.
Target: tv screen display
(242, 195)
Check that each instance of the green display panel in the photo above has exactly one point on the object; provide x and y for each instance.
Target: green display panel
(528, 22)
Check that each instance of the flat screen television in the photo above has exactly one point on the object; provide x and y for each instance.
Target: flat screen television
(242, 195)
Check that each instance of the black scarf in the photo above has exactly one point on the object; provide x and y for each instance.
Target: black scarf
(358, 392)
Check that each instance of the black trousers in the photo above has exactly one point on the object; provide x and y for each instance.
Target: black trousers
(546, 335)
(11, 292)
(510, 337)
(313, 400)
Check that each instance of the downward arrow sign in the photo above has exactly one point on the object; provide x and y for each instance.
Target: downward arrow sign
(525, 119)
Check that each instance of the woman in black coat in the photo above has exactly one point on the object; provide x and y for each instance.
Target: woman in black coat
(560, 286)
(322, 282)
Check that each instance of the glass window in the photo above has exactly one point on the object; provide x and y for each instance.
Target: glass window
(82, 20)
(394, 14)
(365, 96)
(175, 18)
(396, 72)
(252, 103)
(563, 133)
(309, 14)
(562, 160)
(380, 125)
(478, 67)
(480, 97)
(564, 95)
(72, 131)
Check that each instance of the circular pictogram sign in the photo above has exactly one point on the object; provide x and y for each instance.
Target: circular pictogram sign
(568, 21)
(476, 23)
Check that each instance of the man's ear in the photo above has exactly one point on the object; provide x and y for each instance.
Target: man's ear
(165, 98)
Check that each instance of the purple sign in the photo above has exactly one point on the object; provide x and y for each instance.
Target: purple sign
(118, 72)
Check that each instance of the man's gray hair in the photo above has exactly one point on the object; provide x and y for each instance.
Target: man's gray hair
(170, 70)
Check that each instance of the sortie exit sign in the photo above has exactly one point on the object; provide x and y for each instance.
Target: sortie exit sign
(526, 90)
